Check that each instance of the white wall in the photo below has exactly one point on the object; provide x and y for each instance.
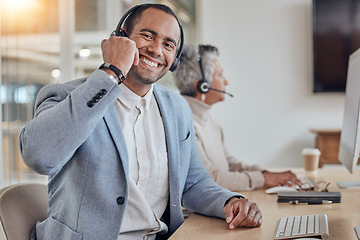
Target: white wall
(266, 54)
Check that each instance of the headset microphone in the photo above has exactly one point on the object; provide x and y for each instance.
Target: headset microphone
(203, 86)
(221, 91)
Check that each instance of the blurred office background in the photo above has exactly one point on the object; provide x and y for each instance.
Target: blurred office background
(266, 54)
(52, 41)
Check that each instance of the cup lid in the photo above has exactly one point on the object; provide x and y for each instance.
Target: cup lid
(310, 151)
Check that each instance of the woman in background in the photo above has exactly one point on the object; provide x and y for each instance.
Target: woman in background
(200, 79)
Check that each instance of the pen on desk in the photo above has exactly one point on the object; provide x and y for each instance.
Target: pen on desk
(310, 202)
(298, 202)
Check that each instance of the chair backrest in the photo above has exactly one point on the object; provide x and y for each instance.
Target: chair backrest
(21, 206)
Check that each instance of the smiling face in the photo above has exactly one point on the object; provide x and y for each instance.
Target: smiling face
(156, 35)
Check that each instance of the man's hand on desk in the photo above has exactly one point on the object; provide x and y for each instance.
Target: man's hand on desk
(242, 213)
(281, 178)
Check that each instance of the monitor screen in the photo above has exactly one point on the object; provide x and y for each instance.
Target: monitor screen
(336, 34)
(350, 135)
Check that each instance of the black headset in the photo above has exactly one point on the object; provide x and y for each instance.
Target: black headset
(203, 85)
(121, 33)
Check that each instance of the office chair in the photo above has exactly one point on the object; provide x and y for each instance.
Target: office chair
(21, 206)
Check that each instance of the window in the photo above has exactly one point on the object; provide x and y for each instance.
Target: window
(31, 57)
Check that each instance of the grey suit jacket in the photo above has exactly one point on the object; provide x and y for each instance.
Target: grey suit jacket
(76, 139)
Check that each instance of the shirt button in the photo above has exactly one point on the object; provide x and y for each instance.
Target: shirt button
(120, 200)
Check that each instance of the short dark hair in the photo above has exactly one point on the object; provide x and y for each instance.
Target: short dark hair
(135, 16)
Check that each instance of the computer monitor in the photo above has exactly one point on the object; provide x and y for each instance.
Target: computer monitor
(349, 148)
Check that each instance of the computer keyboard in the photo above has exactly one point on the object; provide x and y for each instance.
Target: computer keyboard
(315, 225)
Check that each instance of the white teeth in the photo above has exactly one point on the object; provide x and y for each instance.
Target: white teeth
(152, 64)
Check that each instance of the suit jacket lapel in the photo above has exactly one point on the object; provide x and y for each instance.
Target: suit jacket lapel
(172, 142)
(113, 123)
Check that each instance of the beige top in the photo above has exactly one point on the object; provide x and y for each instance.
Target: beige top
(223, 167)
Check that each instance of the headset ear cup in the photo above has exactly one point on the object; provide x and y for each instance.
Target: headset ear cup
(174, 64)
(176, 61)
(202, 86)
(122, 33)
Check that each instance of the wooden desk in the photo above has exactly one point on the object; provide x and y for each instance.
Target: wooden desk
(342, 217)
(327, 141)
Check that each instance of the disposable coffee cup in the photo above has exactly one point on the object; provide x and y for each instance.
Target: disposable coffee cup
(311, 158)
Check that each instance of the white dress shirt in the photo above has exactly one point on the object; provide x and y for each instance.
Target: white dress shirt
(148, 164)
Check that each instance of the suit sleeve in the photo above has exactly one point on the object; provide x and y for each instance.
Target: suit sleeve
(201, 193)
(65, 115)
(238, 177)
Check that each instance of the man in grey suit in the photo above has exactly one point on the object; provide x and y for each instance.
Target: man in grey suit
(121, 158)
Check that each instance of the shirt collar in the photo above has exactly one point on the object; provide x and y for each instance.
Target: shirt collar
(131, 100)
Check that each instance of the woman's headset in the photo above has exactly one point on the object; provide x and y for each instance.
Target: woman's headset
(203, 84)
(121, 33)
